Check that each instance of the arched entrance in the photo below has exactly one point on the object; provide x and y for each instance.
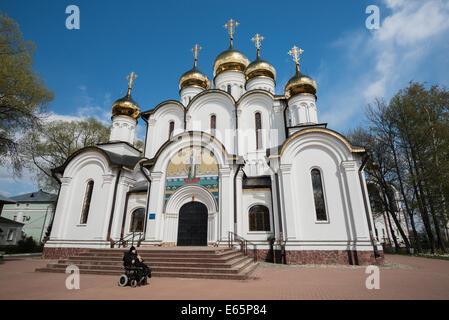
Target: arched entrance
(192, 224)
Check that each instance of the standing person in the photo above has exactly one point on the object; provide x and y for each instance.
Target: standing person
(132, 258)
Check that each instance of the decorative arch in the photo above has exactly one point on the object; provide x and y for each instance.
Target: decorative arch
(331, 141)
(184, 195)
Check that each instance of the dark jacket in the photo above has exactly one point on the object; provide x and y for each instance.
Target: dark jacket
(129, 256)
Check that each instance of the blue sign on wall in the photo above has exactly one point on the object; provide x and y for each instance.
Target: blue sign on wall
(152, 216)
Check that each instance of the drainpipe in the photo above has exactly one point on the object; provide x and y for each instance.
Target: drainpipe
(124, 217)
(278, 203)
(235, 196)
(365, 202)
(148, 204)
(108, 237)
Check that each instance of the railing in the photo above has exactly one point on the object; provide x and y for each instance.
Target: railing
(243, 244)
(129, 239)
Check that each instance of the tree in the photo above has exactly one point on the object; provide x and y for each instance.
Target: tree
(23, 95)
(51, 145)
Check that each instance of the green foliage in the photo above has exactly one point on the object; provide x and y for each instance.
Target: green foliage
(408, 140)
(27, 245)
(23, 95)
(51, 145)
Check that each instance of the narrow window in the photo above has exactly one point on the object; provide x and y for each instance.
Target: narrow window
(213, 124)
(171, 128)
(10, 236)
(137, 220)
(86, 204)
(258, 131)
(259, 218)
(229, 89)
(318, 195)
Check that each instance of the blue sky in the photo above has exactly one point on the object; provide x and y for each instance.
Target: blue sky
(351, 64)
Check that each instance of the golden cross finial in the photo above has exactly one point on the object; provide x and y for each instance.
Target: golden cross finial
(295, 52)
(231, 28)
(195, 51)
(131, 78)
(258, 42)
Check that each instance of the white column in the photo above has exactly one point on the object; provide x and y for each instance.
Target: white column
(157, 198)
(61, 212)
(355, 199)
(241, 214)
(226, 203)
(290, 211)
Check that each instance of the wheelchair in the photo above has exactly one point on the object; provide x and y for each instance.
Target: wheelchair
(131, 277)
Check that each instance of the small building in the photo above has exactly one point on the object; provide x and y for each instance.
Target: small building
(34, 210)
(10, 232)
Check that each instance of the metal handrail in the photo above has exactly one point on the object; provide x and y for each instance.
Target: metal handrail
(125, 240)
(243, 244)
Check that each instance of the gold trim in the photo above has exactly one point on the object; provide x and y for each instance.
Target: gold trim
(332, 133)
(137, 193)
(256, 189)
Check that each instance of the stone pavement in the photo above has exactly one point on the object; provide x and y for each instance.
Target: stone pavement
(402, 277)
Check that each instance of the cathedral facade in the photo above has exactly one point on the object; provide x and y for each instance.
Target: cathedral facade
(226, 162)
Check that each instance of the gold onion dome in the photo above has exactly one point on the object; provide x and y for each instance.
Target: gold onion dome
(194, 77)
(259, 67)
(126, 106)
(230, 59)
(299, 83)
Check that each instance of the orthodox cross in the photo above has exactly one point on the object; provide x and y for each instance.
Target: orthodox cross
(131, 78)
(258, 42)
(231, 28)
(195, 51)
(295, 52)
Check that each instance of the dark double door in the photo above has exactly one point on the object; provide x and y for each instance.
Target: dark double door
(192, 224)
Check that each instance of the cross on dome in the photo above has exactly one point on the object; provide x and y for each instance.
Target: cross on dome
(231, 28)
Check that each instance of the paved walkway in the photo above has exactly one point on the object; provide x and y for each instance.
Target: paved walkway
(403, 277)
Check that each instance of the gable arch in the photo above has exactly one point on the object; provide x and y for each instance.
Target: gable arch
(184, 195)
(93, 156)
(188, 139)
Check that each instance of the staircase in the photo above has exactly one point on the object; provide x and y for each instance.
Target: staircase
(186, 262)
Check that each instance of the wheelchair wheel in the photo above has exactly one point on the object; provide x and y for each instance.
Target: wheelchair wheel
(123, 281)
(134, 283)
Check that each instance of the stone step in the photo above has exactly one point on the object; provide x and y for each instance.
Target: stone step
(220, 259)
(242, 276)
(217, 263)
(161, 254)
(234, 270)
(205, 264)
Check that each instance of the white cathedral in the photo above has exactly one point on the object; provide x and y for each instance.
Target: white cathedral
(228, 161)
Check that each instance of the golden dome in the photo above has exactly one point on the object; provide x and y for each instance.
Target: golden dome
(300, 84)
(230, 59)
(260, 68)
(194, 78)
(126, 106)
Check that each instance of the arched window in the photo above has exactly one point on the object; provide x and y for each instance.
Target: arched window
(171, 128)
(229, 89)
(213, 124)
(258, 125)
(137, 220)
(318, 195)
(86, 204)
(259, 218)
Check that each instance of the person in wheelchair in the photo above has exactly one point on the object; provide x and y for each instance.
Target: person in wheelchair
(136, 272)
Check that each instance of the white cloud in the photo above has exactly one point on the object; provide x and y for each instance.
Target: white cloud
(394, 54)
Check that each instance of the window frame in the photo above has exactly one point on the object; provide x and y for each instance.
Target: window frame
(87, 193)
(132, 218)
(258, 131)
(323, 190)
(270, 223)
(171, 129)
